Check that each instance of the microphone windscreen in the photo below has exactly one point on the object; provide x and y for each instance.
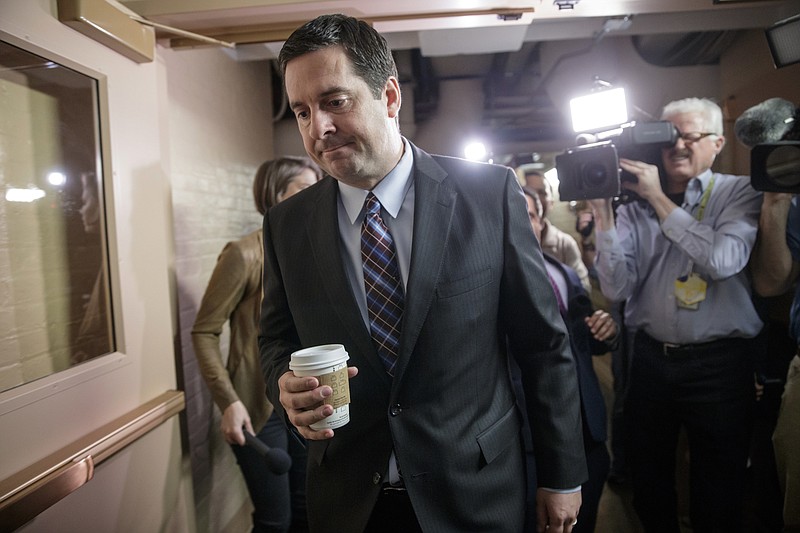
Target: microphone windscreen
(278, 461)
(766, 122)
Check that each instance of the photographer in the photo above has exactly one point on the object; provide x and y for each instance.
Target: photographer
(678, 259)
(776, 264)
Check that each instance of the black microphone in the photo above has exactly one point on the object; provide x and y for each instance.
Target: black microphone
(278, 461)
(767, 122)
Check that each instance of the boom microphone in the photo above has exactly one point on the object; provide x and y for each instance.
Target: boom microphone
(767, 122)
(278, 461)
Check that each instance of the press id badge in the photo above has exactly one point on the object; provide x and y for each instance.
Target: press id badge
(690, 291)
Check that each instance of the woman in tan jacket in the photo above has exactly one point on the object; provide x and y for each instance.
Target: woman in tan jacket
(234, 294)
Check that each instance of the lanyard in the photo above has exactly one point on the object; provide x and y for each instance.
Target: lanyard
(701, 210)
(704, 199)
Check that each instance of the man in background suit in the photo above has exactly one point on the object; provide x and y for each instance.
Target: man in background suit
(591, 333)
(555, 242)
(433, 441)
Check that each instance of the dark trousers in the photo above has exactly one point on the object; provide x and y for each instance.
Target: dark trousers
(710, 393)
(279, 501)
(598, 462)
(393, 513)
(620, 370)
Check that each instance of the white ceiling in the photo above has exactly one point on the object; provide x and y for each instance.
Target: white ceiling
(443, 27)
(436, 35)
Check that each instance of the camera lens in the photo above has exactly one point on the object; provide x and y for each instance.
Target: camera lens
(783, 166)
(594, 175)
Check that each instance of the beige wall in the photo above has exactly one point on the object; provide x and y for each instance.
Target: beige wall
(749, 77)
(220, 131)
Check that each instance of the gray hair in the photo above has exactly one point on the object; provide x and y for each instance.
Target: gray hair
(708, 109)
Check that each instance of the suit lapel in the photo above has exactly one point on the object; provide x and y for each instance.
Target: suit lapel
(434, 205)
(323, 233)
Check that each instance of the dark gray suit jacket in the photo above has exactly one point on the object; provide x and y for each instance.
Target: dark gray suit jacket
(476, 287)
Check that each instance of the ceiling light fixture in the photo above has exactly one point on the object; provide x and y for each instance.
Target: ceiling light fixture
(565, 4)
(505, 17)
(618, 24)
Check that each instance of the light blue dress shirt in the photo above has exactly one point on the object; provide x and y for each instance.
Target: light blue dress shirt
(641, 258)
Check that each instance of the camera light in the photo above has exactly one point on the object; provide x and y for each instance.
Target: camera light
(599, 109)
(475, 151)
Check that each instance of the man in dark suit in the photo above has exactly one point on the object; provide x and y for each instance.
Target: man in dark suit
(433, 441)
(591, 333)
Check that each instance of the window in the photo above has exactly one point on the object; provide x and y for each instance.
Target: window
(55, 302)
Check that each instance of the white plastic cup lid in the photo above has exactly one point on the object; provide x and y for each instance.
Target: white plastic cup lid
(321, 357)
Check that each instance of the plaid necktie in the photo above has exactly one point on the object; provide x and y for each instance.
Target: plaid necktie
(382, 283)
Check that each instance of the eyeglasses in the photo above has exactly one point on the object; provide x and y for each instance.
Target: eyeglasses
(693, 136)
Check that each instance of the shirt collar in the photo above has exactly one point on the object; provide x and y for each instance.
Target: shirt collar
(696, 187)
(390, 191)
(704, 178)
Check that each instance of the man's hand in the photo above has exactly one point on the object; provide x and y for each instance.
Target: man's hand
(648, 182)
(601, 325)
(603, 213)
(303, 398)
(771, 199)
(556, 512)
(648, 186)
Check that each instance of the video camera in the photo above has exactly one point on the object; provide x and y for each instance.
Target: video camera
(592, 170)
(772, 130)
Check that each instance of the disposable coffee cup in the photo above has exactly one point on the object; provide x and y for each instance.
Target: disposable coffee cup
(328, 363)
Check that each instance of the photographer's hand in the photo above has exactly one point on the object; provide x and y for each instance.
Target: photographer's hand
(648, 186)
(603, 213)
(772, 265)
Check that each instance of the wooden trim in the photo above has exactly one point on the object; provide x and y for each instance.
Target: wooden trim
(280, 31)
(35, 488)
(110, 25)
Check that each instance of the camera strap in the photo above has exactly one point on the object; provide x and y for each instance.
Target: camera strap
(690, 289)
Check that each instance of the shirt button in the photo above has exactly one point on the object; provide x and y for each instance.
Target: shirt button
(376, 478)
(395, 409)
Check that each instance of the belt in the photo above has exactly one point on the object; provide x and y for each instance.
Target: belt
(682, 351)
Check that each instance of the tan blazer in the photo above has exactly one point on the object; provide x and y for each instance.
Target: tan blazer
(234, 294)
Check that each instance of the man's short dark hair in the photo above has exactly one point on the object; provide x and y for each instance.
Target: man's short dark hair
(367, 50)
(537, 202)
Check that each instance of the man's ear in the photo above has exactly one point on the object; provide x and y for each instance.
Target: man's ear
(392, 93)
(719, 143)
